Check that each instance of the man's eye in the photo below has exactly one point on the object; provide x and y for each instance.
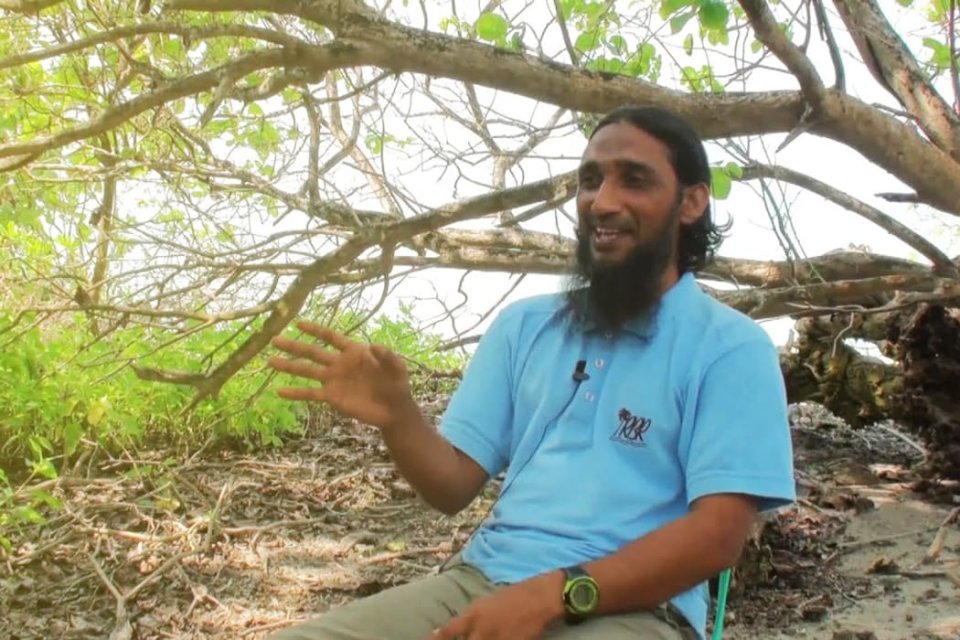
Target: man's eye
(635, 180)
(589, 181)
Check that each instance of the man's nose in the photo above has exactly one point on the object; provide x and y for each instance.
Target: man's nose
(607, 200)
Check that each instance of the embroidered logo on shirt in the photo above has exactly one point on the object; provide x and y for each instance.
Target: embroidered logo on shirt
(631, 429)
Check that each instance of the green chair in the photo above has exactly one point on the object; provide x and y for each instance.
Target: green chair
(722, 588)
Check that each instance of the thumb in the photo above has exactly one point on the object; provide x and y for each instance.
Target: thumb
(456, 628)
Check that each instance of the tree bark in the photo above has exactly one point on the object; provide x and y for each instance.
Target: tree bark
(919, 390)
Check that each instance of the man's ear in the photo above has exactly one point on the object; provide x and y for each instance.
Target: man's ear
(694, 204)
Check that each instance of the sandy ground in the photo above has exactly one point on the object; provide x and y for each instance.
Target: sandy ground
(892, 606)
(228, 545)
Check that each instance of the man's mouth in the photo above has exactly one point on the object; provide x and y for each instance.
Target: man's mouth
(607, 234)
(609, 238)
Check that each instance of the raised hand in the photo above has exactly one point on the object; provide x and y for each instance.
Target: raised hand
(366, 382)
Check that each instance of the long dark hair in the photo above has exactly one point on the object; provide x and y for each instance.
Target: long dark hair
(699, 241)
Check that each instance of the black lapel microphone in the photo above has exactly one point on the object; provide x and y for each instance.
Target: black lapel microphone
(580, 372)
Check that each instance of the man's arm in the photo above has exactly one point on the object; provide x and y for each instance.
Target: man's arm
(370, 384)
(445, 477)
(736, 453)
(675, 558)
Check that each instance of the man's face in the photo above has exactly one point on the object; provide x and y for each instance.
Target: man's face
(627, 193)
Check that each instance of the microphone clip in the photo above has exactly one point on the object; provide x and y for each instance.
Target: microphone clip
(580, 372)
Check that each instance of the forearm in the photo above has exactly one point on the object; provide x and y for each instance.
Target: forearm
(432, 466)
(651, 570)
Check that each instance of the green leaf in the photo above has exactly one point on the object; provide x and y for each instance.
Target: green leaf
(720, 183)
(670, 7)
(72, 433)
(41, 496)
(714, 14)
(617, 44)
(755, 46)
(678, 22)
(45, 468)
(491, 27)
(688, 44)
(588, 41)
(734, 170)
(28, 515)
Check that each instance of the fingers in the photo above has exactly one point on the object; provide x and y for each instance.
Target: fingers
(310, 394)
(304, 350)
(331, 337)
(298, 368)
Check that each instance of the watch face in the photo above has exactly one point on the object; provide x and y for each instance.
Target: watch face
(583, 595)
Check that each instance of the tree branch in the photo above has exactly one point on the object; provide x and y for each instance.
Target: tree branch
(942, 263)
(366, 39)
(27, 7)
(387, 236)
(894, 67)
(769, 33)
(118, 115)
(816, 299)
(112, 35)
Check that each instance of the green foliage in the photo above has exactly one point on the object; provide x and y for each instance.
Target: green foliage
(492, 28)
(722, 177)
(62, 392)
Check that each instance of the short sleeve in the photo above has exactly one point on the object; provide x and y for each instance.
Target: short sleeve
(478, 420)
(738, 436)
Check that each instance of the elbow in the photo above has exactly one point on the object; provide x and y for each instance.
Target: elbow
(729, 551)
(447, 505)
(449, 510)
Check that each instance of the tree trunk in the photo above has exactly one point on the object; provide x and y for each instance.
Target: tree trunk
(919, 391)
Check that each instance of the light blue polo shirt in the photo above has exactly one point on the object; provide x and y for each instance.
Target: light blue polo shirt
(689, 404)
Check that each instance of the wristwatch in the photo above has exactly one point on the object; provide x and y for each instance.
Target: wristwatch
(581, 594)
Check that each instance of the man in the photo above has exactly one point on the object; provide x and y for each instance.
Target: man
(642, 425)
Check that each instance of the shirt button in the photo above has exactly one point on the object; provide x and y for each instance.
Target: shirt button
(599, 363)
(588, 396)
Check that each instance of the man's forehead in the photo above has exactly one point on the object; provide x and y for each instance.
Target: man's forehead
(624, 144)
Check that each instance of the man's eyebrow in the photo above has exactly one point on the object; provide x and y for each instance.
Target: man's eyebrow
(634, 166)
(588, 166)
(622, 165)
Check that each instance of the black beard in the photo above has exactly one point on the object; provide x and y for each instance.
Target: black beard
(608, 295)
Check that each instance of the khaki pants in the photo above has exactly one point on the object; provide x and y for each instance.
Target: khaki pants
(412, 611)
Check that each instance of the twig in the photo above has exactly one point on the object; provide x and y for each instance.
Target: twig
(271, 625)
(938, 540)
(387, 557)
(907, 440)
(121, 626)
(896, 536)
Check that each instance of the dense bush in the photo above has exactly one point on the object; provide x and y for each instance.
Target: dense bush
(63, 392)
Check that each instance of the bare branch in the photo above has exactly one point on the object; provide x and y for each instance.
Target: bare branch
(826, 32)
(769, 33)
(816, 299)
(942, 263)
